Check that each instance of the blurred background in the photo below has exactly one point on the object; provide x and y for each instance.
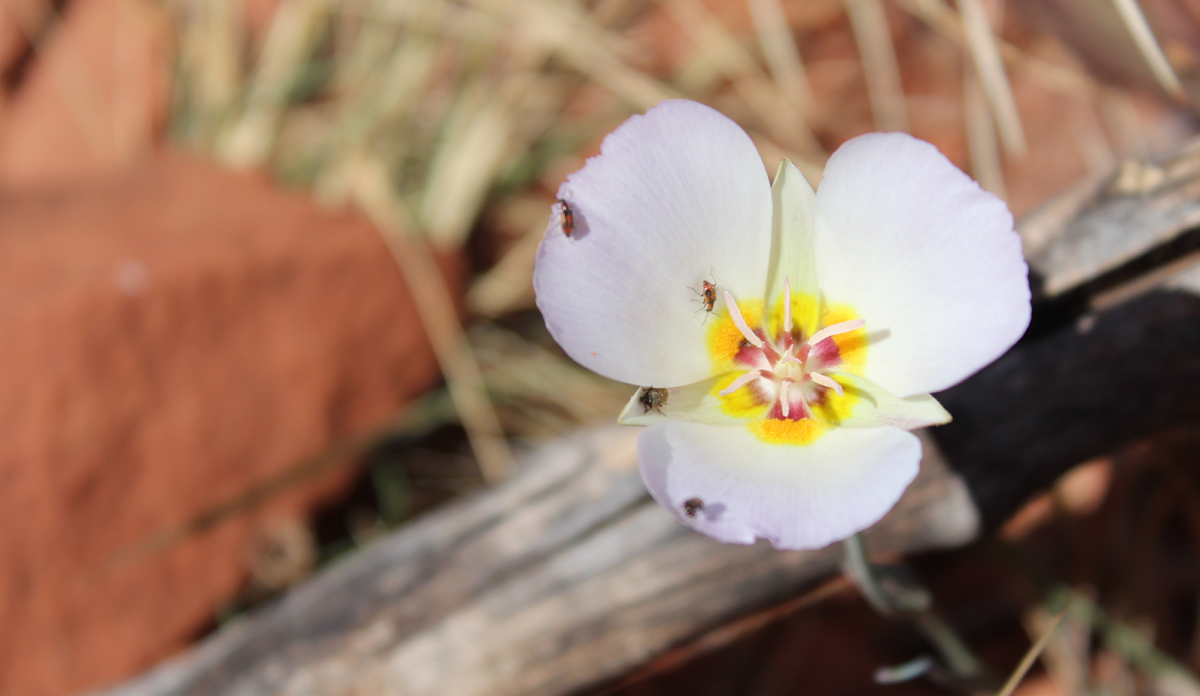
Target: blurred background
(265, 294)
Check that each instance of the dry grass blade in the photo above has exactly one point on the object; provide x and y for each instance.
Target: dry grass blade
(296, 27)
(1123, 122)
(1066, 655)
(508, 285)
(1139, 29)
(588, 48)
(211, 37)
(783, 57)
(1032, 655)
(479, 135)
(527, 378)
(780, 117)
(986, 57)
(371, 189)
(1090, 140)
(945, 21)
(982, 145)
(882, 72)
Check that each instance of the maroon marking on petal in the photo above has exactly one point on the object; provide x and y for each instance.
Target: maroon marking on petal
(820, 394)
(771, 354)
(798, 411)
(826, 353)
(760, 392)
(752, 357)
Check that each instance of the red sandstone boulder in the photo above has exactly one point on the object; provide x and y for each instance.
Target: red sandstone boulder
(95, 98)
(168, 340)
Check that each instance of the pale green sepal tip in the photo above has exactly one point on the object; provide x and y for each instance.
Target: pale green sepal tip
(792, 238)
(635, 413)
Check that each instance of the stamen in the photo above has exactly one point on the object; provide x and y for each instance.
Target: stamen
(738, 321)
(787, 306)
(784, 402)
(826, 381)
(740, 382)
(844, 327)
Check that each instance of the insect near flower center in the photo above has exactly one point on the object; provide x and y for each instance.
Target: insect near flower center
(781, 371)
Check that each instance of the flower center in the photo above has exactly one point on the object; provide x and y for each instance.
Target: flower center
(779, 371)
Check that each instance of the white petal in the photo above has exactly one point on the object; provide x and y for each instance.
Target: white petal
(925, 256)
(792, 253)
(865, 405)
(798, 497)
(676, 197)
(697, 403)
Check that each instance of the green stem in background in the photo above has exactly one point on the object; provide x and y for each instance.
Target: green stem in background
(1125, 640)
(896, 594)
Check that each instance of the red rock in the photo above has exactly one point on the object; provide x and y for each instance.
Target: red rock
(170, 339)
(94, 100)
(19, 19)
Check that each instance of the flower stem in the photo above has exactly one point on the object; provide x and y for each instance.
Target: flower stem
(897, 594)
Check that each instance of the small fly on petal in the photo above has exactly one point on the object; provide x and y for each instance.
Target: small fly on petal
(568, 217)
(708, 296)
(691, 506)
(652, 398)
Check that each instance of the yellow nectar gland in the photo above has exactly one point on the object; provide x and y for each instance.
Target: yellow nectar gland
(782, 431)
(774, 372)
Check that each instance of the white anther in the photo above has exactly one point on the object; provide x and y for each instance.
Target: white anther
(787, 306)
(740, 382)
(784, 402)
(844, 327)
(738, 321)
(825, 381)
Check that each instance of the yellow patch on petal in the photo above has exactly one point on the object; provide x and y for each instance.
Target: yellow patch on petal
(834, 409)
(788, 432)
(743, 403)
(724, 339)
(852, 346)
(804, 315)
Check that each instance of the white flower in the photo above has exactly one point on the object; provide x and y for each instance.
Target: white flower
(790, 389)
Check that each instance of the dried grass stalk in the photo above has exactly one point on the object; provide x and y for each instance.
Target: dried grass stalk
(880, 67)
(373, 192)
(986, 56)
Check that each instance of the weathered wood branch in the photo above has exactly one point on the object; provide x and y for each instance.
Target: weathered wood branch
(565, 576)
(568, 574)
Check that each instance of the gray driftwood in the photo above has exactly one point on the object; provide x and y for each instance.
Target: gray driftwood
(568, 575)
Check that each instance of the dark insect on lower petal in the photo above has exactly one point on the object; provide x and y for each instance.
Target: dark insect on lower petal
(652, 398)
